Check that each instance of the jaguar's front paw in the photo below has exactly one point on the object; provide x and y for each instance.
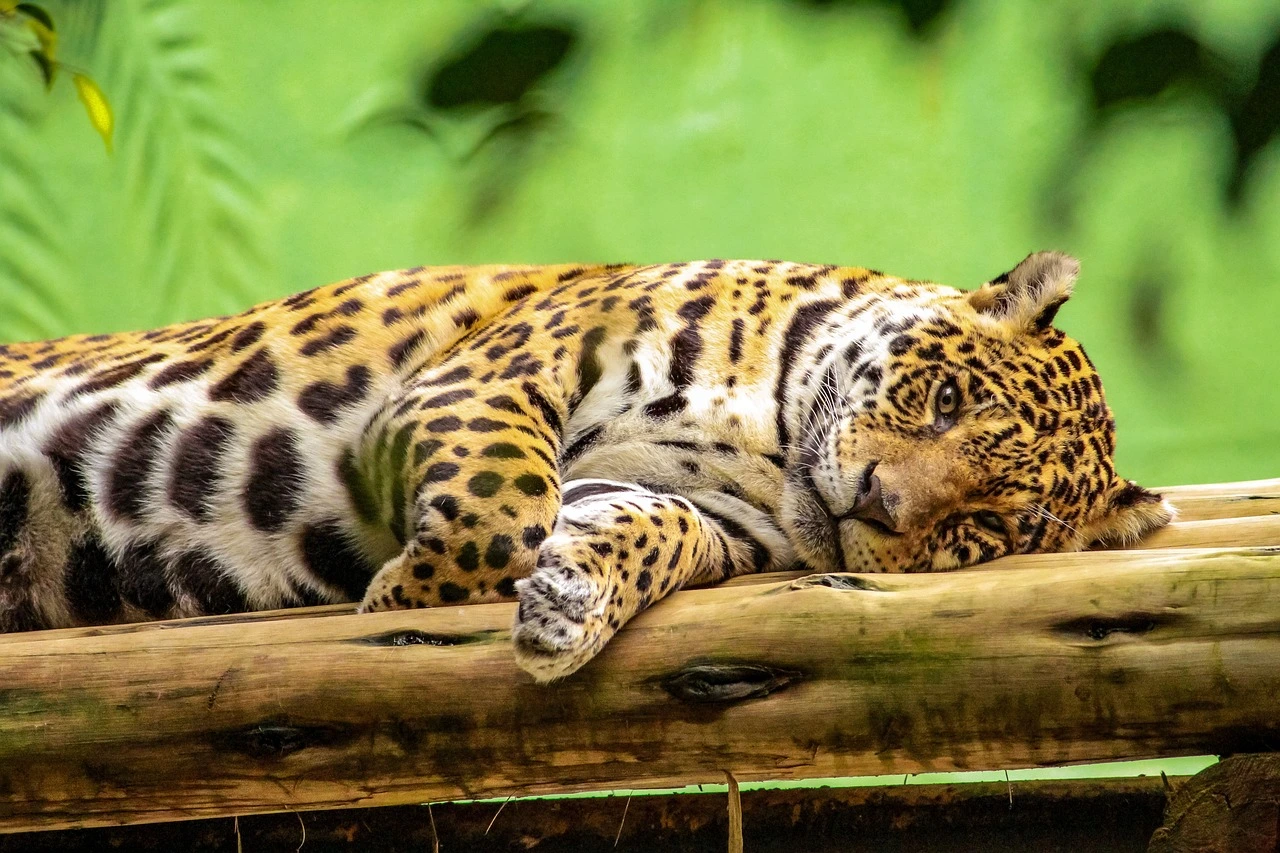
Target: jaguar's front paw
(392, 588)
(559, 622)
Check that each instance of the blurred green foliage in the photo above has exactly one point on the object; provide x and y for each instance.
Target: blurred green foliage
(264, 148)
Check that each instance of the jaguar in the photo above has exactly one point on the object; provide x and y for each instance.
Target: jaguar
(581, 439)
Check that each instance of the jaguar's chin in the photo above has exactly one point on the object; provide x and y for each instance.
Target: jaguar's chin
(814, 536)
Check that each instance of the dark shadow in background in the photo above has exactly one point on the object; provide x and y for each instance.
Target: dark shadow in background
(499, 67)
(1143, 67)
(1152, 67)
(919, 14)
(1150, 292)
(501, 78)
(1256, 118)
(1164, 66)
(487, 100)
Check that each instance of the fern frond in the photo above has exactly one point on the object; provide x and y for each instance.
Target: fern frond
(198, 223)
(32, 256)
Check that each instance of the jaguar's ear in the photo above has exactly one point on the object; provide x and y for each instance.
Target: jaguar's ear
(1131, 513)
(1028, 296)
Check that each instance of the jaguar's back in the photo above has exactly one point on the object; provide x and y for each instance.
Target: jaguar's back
(191, 469)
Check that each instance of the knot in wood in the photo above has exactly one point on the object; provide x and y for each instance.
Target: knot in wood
(1100, 627)
(838, 580)
(274, 739)
(413, 637)
(715, 683)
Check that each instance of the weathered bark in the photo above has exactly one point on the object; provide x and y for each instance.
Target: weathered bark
(1101, 816)
(1082, 658)
(1231, 807)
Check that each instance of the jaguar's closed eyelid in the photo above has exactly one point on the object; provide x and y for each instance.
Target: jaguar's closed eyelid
(991, 521)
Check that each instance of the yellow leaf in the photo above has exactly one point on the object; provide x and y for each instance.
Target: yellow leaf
(95, 104)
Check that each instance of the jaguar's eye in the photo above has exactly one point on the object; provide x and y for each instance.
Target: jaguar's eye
(990, 521)
(947, 401)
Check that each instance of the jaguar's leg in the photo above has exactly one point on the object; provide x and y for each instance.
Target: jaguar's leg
(616, 548)
(466, 479)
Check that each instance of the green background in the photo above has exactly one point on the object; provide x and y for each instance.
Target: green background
(256, 154)
(266, 147)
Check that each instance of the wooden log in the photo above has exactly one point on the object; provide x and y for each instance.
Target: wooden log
(1225, 500)
(1227, 504)
(1214, 530)
(1127, 655)
(1242, 487)
(1098, 815)
(1231, 807)
(1215, 533)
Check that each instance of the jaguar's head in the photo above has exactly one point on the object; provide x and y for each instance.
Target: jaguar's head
(944, 428)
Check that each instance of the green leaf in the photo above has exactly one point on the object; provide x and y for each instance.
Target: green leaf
(96, 105)
(31, 10)
(48, 68)
(196, 222)
(41, 26)
(33, 224)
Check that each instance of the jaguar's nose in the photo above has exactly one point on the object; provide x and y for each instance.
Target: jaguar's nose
(869, 506)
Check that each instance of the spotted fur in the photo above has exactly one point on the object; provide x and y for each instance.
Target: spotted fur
(582, 439)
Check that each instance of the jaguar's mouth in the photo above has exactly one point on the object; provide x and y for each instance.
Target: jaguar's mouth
(876, 525)
(834, 519)
(825, 528)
